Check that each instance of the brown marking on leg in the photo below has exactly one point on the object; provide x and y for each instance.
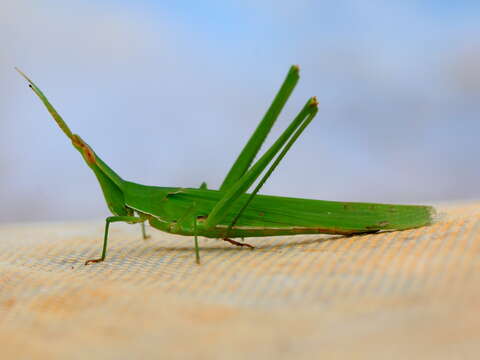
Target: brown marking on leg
(233, 242)
(93, 261)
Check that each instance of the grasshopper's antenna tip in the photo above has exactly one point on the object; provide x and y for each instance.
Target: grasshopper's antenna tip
(19, 71)
(23, 74)
(50, 108)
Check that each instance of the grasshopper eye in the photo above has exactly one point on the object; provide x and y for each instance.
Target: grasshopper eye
(89, 154)
(86, 150)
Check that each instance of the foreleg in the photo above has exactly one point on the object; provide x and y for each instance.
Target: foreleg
(108, 220)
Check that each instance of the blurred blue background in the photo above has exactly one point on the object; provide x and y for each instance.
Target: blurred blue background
(167, 93)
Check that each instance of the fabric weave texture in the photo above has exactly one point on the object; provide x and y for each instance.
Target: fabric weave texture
(395, 295)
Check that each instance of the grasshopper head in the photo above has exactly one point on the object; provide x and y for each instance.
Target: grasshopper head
(86, 151)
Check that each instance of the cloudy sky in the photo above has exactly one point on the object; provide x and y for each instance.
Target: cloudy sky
(167, 92)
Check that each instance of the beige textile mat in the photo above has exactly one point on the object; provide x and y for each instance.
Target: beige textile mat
(392, 295)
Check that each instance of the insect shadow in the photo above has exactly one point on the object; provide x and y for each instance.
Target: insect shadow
(292, 243)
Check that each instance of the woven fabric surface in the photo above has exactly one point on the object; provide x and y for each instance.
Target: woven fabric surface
(395, 295)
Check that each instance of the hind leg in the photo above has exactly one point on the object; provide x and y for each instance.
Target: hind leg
(236, 243)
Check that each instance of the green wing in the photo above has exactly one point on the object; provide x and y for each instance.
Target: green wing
(283, 212)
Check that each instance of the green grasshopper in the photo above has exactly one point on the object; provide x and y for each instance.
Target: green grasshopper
(231, 212)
